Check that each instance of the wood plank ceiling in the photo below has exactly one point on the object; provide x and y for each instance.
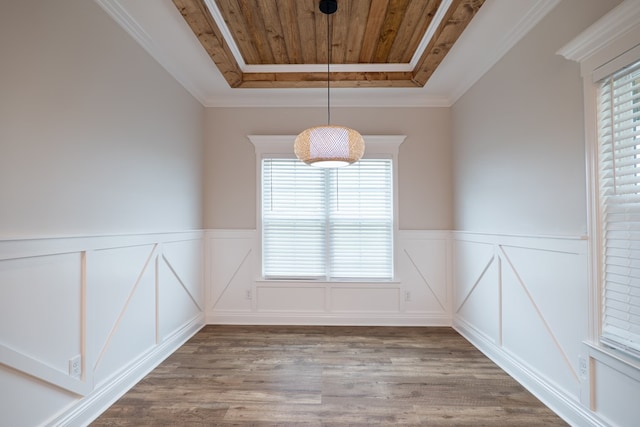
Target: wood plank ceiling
(283, 43)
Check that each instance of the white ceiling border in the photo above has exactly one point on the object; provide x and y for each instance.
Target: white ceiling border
(119, 14)
(522, 27)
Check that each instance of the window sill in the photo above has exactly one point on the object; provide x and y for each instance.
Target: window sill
(342, 282)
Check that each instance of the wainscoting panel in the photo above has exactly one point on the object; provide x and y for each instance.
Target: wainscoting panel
(420, 295)
(423, 266)
(477, 297)
(185, 260)
(180, 293)
(123, 300)
(82, 319)
(365, 300)
(616, 393)
(523, 301)
(230, 256)
(291, 299)
(54, 292)
(535, 305)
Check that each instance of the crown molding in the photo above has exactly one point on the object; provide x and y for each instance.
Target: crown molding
(340, 98)
(614, 25)
(120, 15)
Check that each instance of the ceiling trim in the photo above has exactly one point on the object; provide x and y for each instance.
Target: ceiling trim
(619, 21)
(322, 68)
(428, 35)
(120, 15)
(311, 98)
(519, 30)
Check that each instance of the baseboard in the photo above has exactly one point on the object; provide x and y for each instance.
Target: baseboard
(89, 408)
(567, 408)
(333, 319)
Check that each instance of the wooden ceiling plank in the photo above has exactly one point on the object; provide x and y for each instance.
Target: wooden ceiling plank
(411, 30)
(377, 14)
(428, 15)
(233, 17)
(268, 9)
(199, 19)
(453, 24)
(358, 16)
(306, 12)
(340, 22)
(255, 25)
(288, 15)
(320, 23)
(389, 31)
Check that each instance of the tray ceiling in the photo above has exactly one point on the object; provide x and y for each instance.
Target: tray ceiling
(283, 43)
(298, 80)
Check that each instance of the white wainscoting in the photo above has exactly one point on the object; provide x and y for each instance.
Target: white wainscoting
(119, 304)
(523, 301)
(420, 295)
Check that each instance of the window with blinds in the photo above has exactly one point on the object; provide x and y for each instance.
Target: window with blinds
(619, 179)
(327, 224)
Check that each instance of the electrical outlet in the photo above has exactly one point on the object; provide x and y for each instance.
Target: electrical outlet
(75, 366)
(582, 367)
(248, 294)
(407, 296)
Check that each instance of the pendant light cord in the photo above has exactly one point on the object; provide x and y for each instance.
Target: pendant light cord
(328, 72)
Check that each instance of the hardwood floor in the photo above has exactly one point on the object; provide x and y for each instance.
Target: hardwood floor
(327, 376)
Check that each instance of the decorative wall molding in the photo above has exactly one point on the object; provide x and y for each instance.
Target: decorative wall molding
(524, 302)
(517, 367)
(118, 305)
(420, 295)
(137, 298)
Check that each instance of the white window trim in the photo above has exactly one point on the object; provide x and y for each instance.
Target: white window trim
(281, 146)
(606, 46)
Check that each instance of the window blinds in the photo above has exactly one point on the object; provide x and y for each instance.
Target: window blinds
(619, 179)
(327, 223)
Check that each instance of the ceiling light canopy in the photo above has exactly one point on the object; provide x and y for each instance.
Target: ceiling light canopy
(329, 146)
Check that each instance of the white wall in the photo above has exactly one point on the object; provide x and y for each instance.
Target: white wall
(95, 139)
(424, 176)
(520, 295)
(518, 151)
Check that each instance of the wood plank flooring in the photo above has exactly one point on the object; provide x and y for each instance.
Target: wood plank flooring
(327, 376)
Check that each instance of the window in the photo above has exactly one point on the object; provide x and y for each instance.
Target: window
(327, 224)
(619, 179)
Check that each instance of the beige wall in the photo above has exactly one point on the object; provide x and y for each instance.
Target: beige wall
(95, 137)
(518, 135)
(424, 159)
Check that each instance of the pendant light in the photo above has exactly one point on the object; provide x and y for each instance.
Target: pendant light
(329, 146)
